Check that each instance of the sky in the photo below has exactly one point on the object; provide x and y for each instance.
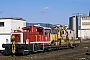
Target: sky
(44, 11)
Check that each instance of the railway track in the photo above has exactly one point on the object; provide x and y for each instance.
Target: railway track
(70, 54)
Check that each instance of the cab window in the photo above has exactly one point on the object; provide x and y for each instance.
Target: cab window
(53, 31)
(40, 30)
(47, 32)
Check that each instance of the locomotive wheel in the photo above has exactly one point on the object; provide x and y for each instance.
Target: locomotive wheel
(49, 49)
(22, 52)
(67, 47)
(4, 53)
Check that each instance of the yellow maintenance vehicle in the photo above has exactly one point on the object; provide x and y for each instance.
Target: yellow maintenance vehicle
(59, 38)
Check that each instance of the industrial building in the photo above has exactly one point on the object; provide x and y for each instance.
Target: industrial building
(73, 25)
(8, 25)
(84, 31)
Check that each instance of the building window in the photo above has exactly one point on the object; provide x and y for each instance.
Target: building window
(1, 24)
(85, 23)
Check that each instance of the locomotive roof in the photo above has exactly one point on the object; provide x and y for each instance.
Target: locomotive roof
(38, 26)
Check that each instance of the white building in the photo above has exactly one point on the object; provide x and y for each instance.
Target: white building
(7, 25)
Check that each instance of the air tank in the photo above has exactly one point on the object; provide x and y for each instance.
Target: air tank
(73, 25)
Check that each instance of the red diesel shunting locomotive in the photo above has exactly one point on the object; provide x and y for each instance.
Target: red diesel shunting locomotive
(30, 39)
(33, 34)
